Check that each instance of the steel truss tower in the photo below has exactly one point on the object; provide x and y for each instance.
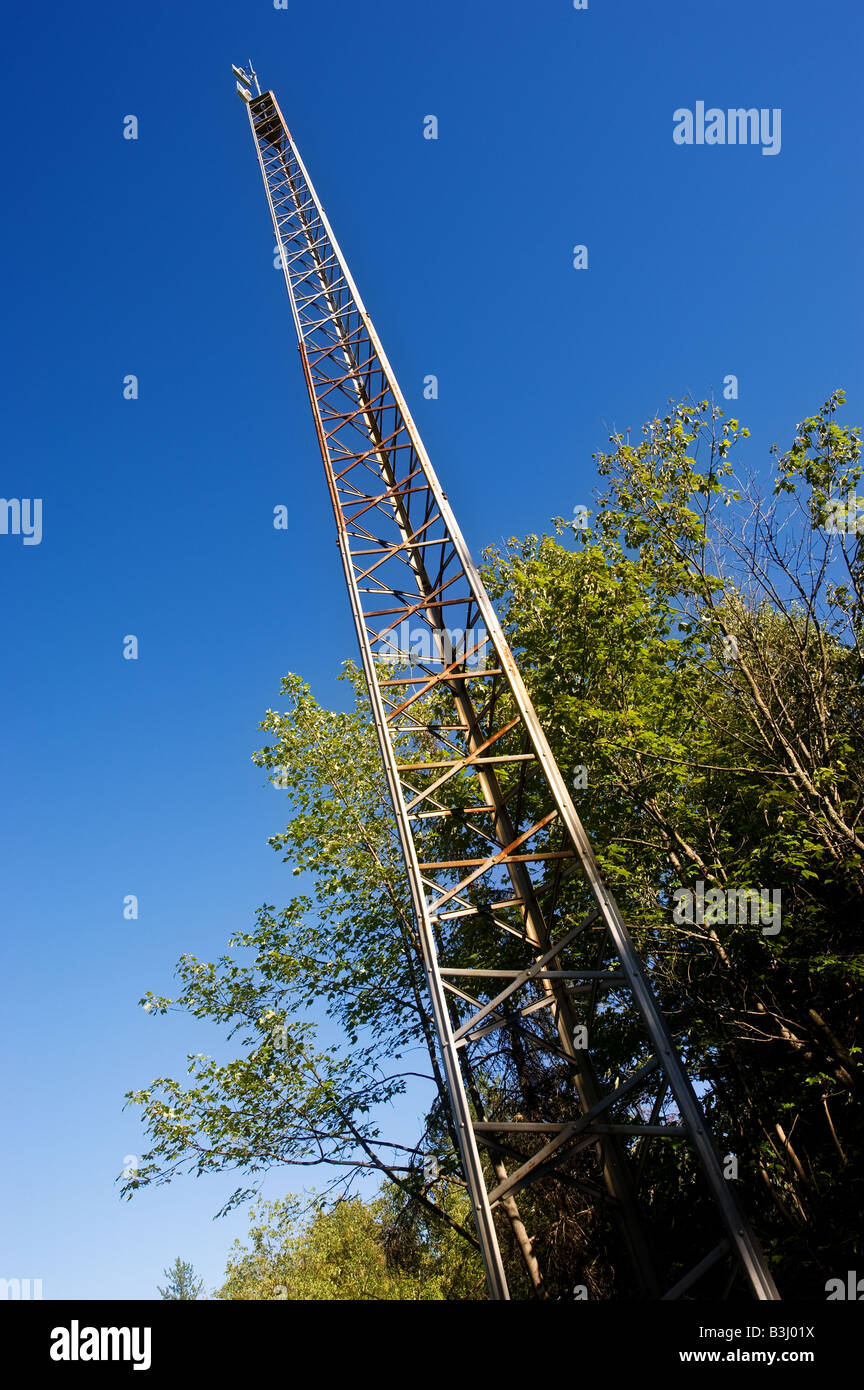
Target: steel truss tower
(524, 1045)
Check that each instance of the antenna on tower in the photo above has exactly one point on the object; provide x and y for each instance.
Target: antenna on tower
(245, 82)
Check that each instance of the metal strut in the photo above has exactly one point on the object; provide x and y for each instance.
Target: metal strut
(466, 760)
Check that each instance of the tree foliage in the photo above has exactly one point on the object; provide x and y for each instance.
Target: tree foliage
(383, 1249)
(182, 1282)
(698, 649)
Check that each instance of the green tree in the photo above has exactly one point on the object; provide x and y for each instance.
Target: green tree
(182, 1282)
(698, 648)
(384, 1249)
(351, 948)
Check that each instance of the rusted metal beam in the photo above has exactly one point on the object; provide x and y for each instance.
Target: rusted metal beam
(511, 811)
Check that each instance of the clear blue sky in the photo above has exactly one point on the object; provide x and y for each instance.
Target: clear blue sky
(154, 257)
